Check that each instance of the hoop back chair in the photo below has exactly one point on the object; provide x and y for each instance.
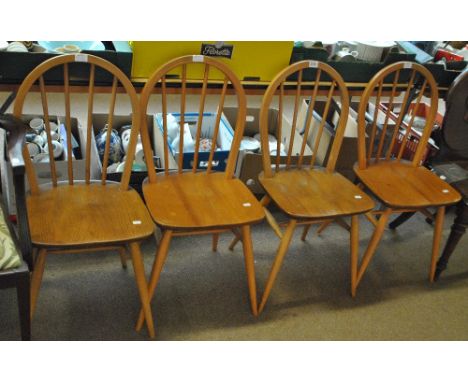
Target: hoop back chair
(81, 215)
(306, 192)
(400, 185)
(198, 200)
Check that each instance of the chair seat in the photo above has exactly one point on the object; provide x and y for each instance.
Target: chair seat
(310, 194)
(83, 214)
(401, 185)
(201, 201)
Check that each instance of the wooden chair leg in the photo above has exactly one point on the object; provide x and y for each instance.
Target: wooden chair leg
(139, 270)
(342, 223)
(400, 219)
(36, 278)
(282, 249)
(235, 240)
(23, 291)
(354, 249)
(439, 223)
(123, 257)
(324, 226)
(372, 246)
(215, 242)
(34, 254)
(238, 237)
(457, 231)
(305, 231)
(159, 260)
(249, 267)
(371, 218)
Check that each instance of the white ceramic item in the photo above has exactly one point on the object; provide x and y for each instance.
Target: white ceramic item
(250, 144)
(37, 124)
(16, 46)
(371, 51)
(58, 149)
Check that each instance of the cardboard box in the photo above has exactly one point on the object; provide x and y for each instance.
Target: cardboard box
(250, 60)
(136, 177)
(348, 155)
(43, 171)
(224, 140)
(250, 164)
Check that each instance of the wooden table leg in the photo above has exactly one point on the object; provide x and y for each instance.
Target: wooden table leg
(458, 230)
(400, 219)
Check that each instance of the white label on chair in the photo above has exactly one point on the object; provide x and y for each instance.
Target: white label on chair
(81, 58)
(313, 64)
(407, 65)
(198, 58)
(443, 177)
(445, 191)
(137, 222)
(357, 197)
(249, 118)
(246, 204)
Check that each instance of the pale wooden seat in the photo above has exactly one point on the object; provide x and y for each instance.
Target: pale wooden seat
(83, 214)
(401, 185)
(305, 194)
(119, 216)
(226, 202)
(390, 163)
(197, 200)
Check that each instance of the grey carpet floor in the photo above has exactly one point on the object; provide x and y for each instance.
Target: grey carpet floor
(202, 295)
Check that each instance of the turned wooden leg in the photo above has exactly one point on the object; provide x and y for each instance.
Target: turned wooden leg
(439, 223)
(123, 257)
(139, 270)
(249, 267)
(23, 292)
(215, 242)
(354, 249)
(458, 230)
(161, 255)
(36, 278)
(372, 246)
(282, 249)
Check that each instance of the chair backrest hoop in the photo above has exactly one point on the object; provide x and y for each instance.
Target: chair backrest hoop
(160, 73)
(36, 74)
(278, 81)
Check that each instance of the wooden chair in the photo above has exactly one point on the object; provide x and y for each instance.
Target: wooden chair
(400, 185)
(198, 200)
(83, 215)
(308, 193)
(15, 251)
